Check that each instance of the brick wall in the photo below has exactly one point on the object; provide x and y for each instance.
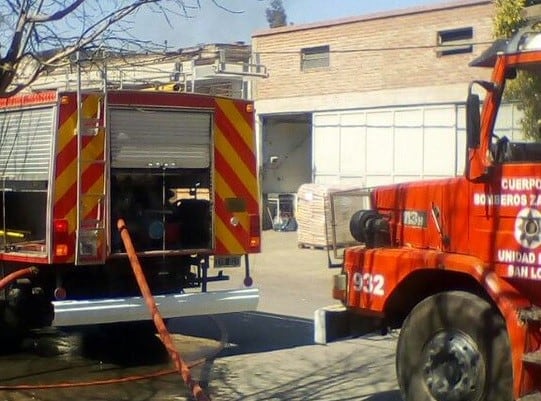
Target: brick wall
(383, 51)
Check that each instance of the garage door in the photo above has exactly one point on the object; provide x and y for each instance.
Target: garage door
(383, 146)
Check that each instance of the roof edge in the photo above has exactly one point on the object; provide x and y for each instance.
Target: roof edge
(371, 16)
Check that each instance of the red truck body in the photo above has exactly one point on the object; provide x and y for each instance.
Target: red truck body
(456, 263)
(180, 169)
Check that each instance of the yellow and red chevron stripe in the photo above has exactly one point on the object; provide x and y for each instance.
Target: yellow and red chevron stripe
(235, 174)
(66, 177)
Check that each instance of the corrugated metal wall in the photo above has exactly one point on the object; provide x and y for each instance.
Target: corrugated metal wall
(388, 145)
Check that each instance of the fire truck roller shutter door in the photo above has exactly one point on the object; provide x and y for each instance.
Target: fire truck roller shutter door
(146, 138)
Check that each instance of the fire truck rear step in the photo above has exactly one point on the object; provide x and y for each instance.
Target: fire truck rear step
(99, 311)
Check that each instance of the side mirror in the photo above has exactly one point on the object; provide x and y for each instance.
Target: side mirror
(473, 121)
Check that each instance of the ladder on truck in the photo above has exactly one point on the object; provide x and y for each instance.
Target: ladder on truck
(92, 173)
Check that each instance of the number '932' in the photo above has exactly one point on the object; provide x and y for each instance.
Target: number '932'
(369, 283)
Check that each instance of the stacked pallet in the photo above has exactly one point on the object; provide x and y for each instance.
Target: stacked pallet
(321, 208)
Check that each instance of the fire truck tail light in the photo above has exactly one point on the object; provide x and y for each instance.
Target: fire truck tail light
(61, 250)
(255, 233)
(255, 242)
(60, 238)
(60, 226)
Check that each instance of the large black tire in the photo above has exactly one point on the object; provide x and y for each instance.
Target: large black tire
(454, 346)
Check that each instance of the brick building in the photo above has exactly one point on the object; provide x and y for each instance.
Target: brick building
(369, 100)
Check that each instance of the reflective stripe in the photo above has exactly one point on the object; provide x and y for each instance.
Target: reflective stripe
(236, 175)
(65, 193)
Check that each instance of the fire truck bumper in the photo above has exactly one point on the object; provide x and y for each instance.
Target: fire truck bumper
(87, 312)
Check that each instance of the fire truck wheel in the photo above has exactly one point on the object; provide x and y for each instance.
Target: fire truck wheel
(453, 346)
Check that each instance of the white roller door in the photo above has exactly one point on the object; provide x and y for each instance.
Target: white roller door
(143, 138)
(382, 146)
(25, 143)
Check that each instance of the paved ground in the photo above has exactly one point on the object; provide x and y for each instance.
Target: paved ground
(272, 354)
(292, 281)
(257, 356)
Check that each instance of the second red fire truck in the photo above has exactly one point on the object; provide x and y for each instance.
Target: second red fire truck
(180, 169)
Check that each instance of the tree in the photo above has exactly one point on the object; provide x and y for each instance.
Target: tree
(40, 35)
(276, 14)
(524, 89)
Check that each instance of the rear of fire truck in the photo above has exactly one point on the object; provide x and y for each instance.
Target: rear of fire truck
(179, 169)
(455, 263)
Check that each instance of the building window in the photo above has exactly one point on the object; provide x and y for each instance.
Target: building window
(314, 57)
(454, 41)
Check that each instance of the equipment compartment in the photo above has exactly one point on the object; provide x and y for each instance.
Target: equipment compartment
(164, 209)
(23, 220)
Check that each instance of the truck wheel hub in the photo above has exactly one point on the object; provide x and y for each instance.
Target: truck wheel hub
(453, 369)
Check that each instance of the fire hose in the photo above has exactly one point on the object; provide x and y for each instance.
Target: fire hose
(29, 271)
(165, 337)
(181, 366)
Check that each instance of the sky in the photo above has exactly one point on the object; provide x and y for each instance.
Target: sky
(211, 24)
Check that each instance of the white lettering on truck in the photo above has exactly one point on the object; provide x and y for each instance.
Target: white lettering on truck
(510, 256)
(369, 283)
(513, 193)
(480, 199)
(521, 184)
(527, 272)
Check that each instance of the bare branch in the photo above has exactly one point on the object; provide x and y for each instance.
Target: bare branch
(217, 4)
(57, 15)
(39, 35)
(14, 8)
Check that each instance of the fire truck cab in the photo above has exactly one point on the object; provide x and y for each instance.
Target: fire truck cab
(179, 169)
(456, 263)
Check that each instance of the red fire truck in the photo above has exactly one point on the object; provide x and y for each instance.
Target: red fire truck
(179, 169)
(456, 263)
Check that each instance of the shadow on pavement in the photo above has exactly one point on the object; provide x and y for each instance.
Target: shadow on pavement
(248, 332)
(126, 345)
(393, 395)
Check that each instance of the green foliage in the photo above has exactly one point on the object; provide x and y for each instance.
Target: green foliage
(525, 90)
(507, 17)
(276, 14)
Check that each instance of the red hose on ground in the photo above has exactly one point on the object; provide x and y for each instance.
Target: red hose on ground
(29, 271)
(165, 337)
(166, 372)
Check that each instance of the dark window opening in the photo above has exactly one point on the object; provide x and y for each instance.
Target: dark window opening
(454, 41)
(314, 57)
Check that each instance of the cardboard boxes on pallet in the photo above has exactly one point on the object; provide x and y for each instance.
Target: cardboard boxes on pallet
(323, 214)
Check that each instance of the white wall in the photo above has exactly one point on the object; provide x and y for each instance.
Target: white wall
(286, 155)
